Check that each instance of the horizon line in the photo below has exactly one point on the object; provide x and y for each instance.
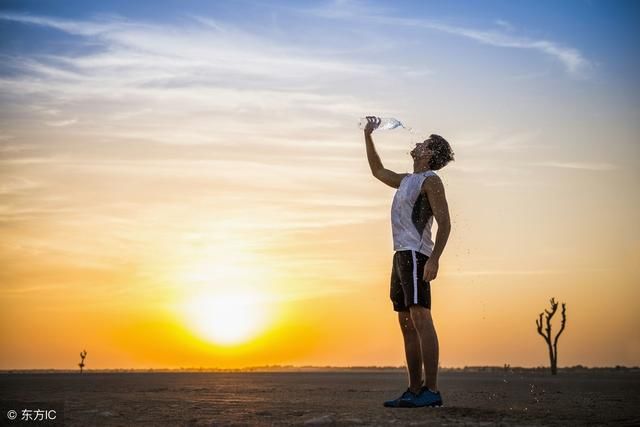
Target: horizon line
(267, 368)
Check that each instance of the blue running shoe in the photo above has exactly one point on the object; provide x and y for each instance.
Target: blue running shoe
(425, 397)
(394, 403)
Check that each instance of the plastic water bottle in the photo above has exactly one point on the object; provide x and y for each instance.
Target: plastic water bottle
(385, 123)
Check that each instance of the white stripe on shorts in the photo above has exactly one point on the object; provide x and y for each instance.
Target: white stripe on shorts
(415, 278)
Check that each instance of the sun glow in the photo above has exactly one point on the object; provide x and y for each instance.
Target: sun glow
(226, 301)
(227, 318)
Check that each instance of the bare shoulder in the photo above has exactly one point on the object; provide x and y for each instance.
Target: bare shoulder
(434, 189)
(433, 184)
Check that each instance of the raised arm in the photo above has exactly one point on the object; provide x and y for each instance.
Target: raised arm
(390, 178)
(434, 189)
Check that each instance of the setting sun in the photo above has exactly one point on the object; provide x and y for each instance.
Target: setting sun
(227, 318)
(224, 301)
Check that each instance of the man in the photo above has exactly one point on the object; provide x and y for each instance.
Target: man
(418, 200)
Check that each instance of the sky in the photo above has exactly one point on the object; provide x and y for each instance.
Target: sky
(184, 183)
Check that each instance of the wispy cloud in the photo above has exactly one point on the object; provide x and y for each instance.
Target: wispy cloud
(571, 58)
(541, 272)
(12, 185)
(70, 26)
(61, 123)
(499, 141)
(579, 165)
(204, 46)
(150, 76)
(504, 24)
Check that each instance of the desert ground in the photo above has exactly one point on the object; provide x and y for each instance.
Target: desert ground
(324, 397)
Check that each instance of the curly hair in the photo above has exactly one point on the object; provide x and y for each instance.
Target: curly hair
(442, 152)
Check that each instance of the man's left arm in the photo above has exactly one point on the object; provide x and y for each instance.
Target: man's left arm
(434, 190)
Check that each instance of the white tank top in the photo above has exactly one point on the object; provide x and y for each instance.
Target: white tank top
(411, 215)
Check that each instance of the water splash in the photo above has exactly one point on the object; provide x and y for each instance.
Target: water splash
(387, 123)
(416, 136)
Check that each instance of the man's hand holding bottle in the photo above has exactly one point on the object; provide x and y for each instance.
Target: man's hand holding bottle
(372, 124)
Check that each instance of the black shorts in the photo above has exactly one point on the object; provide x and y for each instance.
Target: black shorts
(408, 286)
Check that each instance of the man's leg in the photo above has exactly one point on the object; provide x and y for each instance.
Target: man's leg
(426, 331)
(412, 350)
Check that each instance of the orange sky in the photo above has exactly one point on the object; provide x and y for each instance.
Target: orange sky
(224, 225)
(103, 254)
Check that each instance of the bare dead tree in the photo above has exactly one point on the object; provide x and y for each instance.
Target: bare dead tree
(83, 354)
(546, 334)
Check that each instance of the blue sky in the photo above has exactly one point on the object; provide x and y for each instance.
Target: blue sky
(417, 55)
(605, 30)
(601, 34)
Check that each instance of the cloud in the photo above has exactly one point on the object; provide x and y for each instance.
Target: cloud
(579, 165)
(62, 123)
(12, 185)
(204, 47)
(83, 28)
(504, 24)
(148, 76)
(541, 272)
(529, 76)
(571, 58)
(494, 141)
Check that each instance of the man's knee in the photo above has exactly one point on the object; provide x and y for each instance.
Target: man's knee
(420, 315)
(406, 322)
